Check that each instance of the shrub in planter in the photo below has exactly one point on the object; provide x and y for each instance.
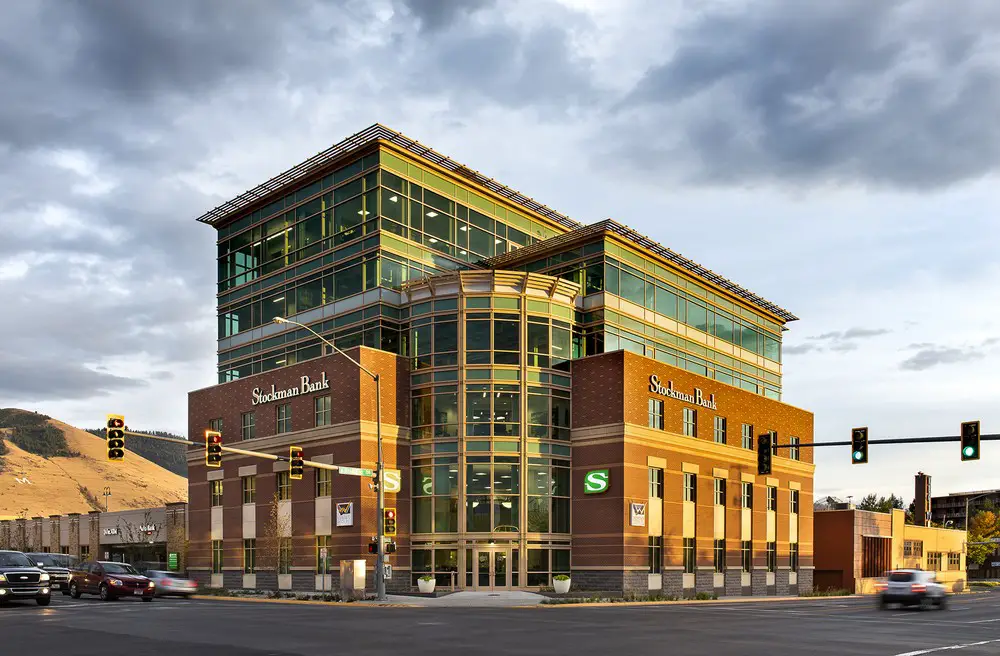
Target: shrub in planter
(426, 583)
(560, 583)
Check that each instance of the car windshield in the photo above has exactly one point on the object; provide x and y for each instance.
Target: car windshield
(47, 560)
(14, 559)
(118, 568)
(900, 577)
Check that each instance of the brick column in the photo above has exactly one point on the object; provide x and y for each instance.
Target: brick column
(758, 582)
(74, 534)
(734, 585)
(176, 518)
(781, 581)
(55, 536)
(94, 530)
(20, 535)
(36, 533)
(5, 539)
(704, 580)
(805, 580)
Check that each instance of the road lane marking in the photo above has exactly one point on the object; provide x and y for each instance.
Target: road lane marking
(920, 652)
(983, 621)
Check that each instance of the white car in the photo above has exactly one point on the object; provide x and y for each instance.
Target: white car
(911, 587)
(172, 583)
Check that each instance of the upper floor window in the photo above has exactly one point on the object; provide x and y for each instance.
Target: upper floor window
(690, 487)
(324, 482)
(655, 483)
(720, 491)
(746, 496)
(284, 484)
(772, 497)
(249, 432)
(747, 434)
(794, 501)
(249, 489)
(216, 487)
(719, 431)
(284, 414)
(793, 450)
(321, 406)
(215, 425)
(656, 414)
(691, 422)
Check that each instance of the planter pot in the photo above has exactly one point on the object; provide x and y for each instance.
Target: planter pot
(561, 587)
(426, 586)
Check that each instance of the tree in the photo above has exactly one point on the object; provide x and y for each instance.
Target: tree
(983, 528)
(135, 537)
(881, 504)
(274, 552)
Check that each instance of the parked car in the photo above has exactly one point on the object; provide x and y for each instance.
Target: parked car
(172, 583)
(911, 587)
(21, 579)
(57, 566)
(110, 580)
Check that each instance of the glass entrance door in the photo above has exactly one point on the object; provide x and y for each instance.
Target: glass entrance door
(493, 568)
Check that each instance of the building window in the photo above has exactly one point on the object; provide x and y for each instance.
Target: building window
(249, 489)
(720, 491)
(655, 554)
(746, 495)
(934, 561)
(321, 405)
(746, 552)
(747, 434)
(772, 498)
(323, 542)
(954, 561)
(285, 556)
(216, 556)
(793, 556)
(719, 552)
(689, 555)
(656, 414)
(249, 431)
(772, 556)
(720, 430)
(215, 425)
(216, 487)
(284, 414)
(690, 422)
(913, 548)
(249, 555)
(690, 487)
(655, 483)
(284, 484)
(324, 483)
(84, 552)
(793, 449)
(793, 496)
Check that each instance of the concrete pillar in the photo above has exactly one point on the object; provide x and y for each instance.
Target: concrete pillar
(36, 533)
(94, 535)
(176, 529)
(74, 534)
(20, 534)
(5, 534)
(55, 536)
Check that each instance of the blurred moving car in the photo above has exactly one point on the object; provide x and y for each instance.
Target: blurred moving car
(172, 583)
(110, 580)
(21, 579)
(911, 587)
(57, 566)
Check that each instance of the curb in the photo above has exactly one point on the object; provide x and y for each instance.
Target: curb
(688, 602)
(304, 602)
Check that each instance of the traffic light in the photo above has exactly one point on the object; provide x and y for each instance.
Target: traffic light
(115, 437)
(764, 454)
(374, 484)
(213, 448)
(295, 466)
(373, 547)
(970, 440)
(859, 446)
(389, 525)
(390, 547)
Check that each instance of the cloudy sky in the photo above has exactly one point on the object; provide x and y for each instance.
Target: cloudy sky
(840, 159)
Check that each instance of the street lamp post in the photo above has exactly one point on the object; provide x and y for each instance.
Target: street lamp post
(380, 465)
(107, 493)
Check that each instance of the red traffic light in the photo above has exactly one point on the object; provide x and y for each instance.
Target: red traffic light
(116, 422)
(390, 513)
(215, 438)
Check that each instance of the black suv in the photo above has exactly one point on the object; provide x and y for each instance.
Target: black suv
(20, 579)
(57, 566)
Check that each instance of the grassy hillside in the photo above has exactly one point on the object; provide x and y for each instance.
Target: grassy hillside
(169, 456)
(33, 433)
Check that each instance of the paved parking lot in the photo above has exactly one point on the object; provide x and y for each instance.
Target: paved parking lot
(88, 627)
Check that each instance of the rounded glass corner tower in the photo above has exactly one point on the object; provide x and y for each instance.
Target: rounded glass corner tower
(490, 418)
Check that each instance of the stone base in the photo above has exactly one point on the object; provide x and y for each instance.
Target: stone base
(781, 582)
(734, 585)
(616, 580)
(805, 583)
(758, 583)
(232, 579)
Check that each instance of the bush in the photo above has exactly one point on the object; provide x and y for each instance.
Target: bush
(985, 584)
(829, 592)
(426, 577)
(561, 577)
(702, 596)
(46, 441)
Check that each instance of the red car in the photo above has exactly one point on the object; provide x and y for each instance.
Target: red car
(110, 580)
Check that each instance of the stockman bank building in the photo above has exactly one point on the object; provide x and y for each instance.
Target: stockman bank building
(559, 398)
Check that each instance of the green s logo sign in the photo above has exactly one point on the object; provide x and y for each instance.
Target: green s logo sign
(596, 481)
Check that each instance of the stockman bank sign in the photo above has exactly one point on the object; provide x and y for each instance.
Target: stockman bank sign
(698, 398)
(596, 481)
(305, 387)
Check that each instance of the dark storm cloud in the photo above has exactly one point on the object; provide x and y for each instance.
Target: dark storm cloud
(28, 380)
(901, 93)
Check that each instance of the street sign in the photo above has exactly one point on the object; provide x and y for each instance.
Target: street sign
(172, 560)
(388, 571)
(393, 480)
(596, 481)
(354, 471)
(322, 553)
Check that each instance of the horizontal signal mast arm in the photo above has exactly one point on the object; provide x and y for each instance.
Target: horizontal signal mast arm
(890, 440)
(242, 452)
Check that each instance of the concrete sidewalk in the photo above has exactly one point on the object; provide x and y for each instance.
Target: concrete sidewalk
(468, 599)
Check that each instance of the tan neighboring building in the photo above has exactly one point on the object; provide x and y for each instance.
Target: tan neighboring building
(856, 547)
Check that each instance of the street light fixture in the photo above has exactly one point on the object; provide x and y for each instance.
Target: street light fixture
(380, 466)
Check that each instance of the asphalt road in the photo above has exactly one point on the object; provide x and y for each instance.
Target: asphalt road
(88, 627)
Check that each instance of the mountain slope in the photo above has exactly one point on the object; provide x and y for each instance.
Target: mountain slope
(38, 486)
(172, 457)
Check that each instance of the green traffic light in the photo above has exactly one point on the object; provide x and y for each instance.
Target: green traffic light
(969, 451)
(858, 455)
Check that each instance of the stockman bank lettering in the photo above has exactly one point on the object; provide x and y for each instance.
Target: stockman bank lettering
(596, 481)
(697, 398)
(305, 387)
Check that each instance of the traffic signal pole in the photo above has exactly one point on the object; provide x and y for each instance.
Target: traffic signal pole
(242, 452)
(380, 469)
(891, 440)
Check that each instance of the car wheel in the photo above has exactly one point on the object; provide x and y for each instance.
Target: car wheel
(65, 592)
(74, 590)
(882, 604)
(43, 601)
(105, 593)
(942, 602)
(925, 603)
